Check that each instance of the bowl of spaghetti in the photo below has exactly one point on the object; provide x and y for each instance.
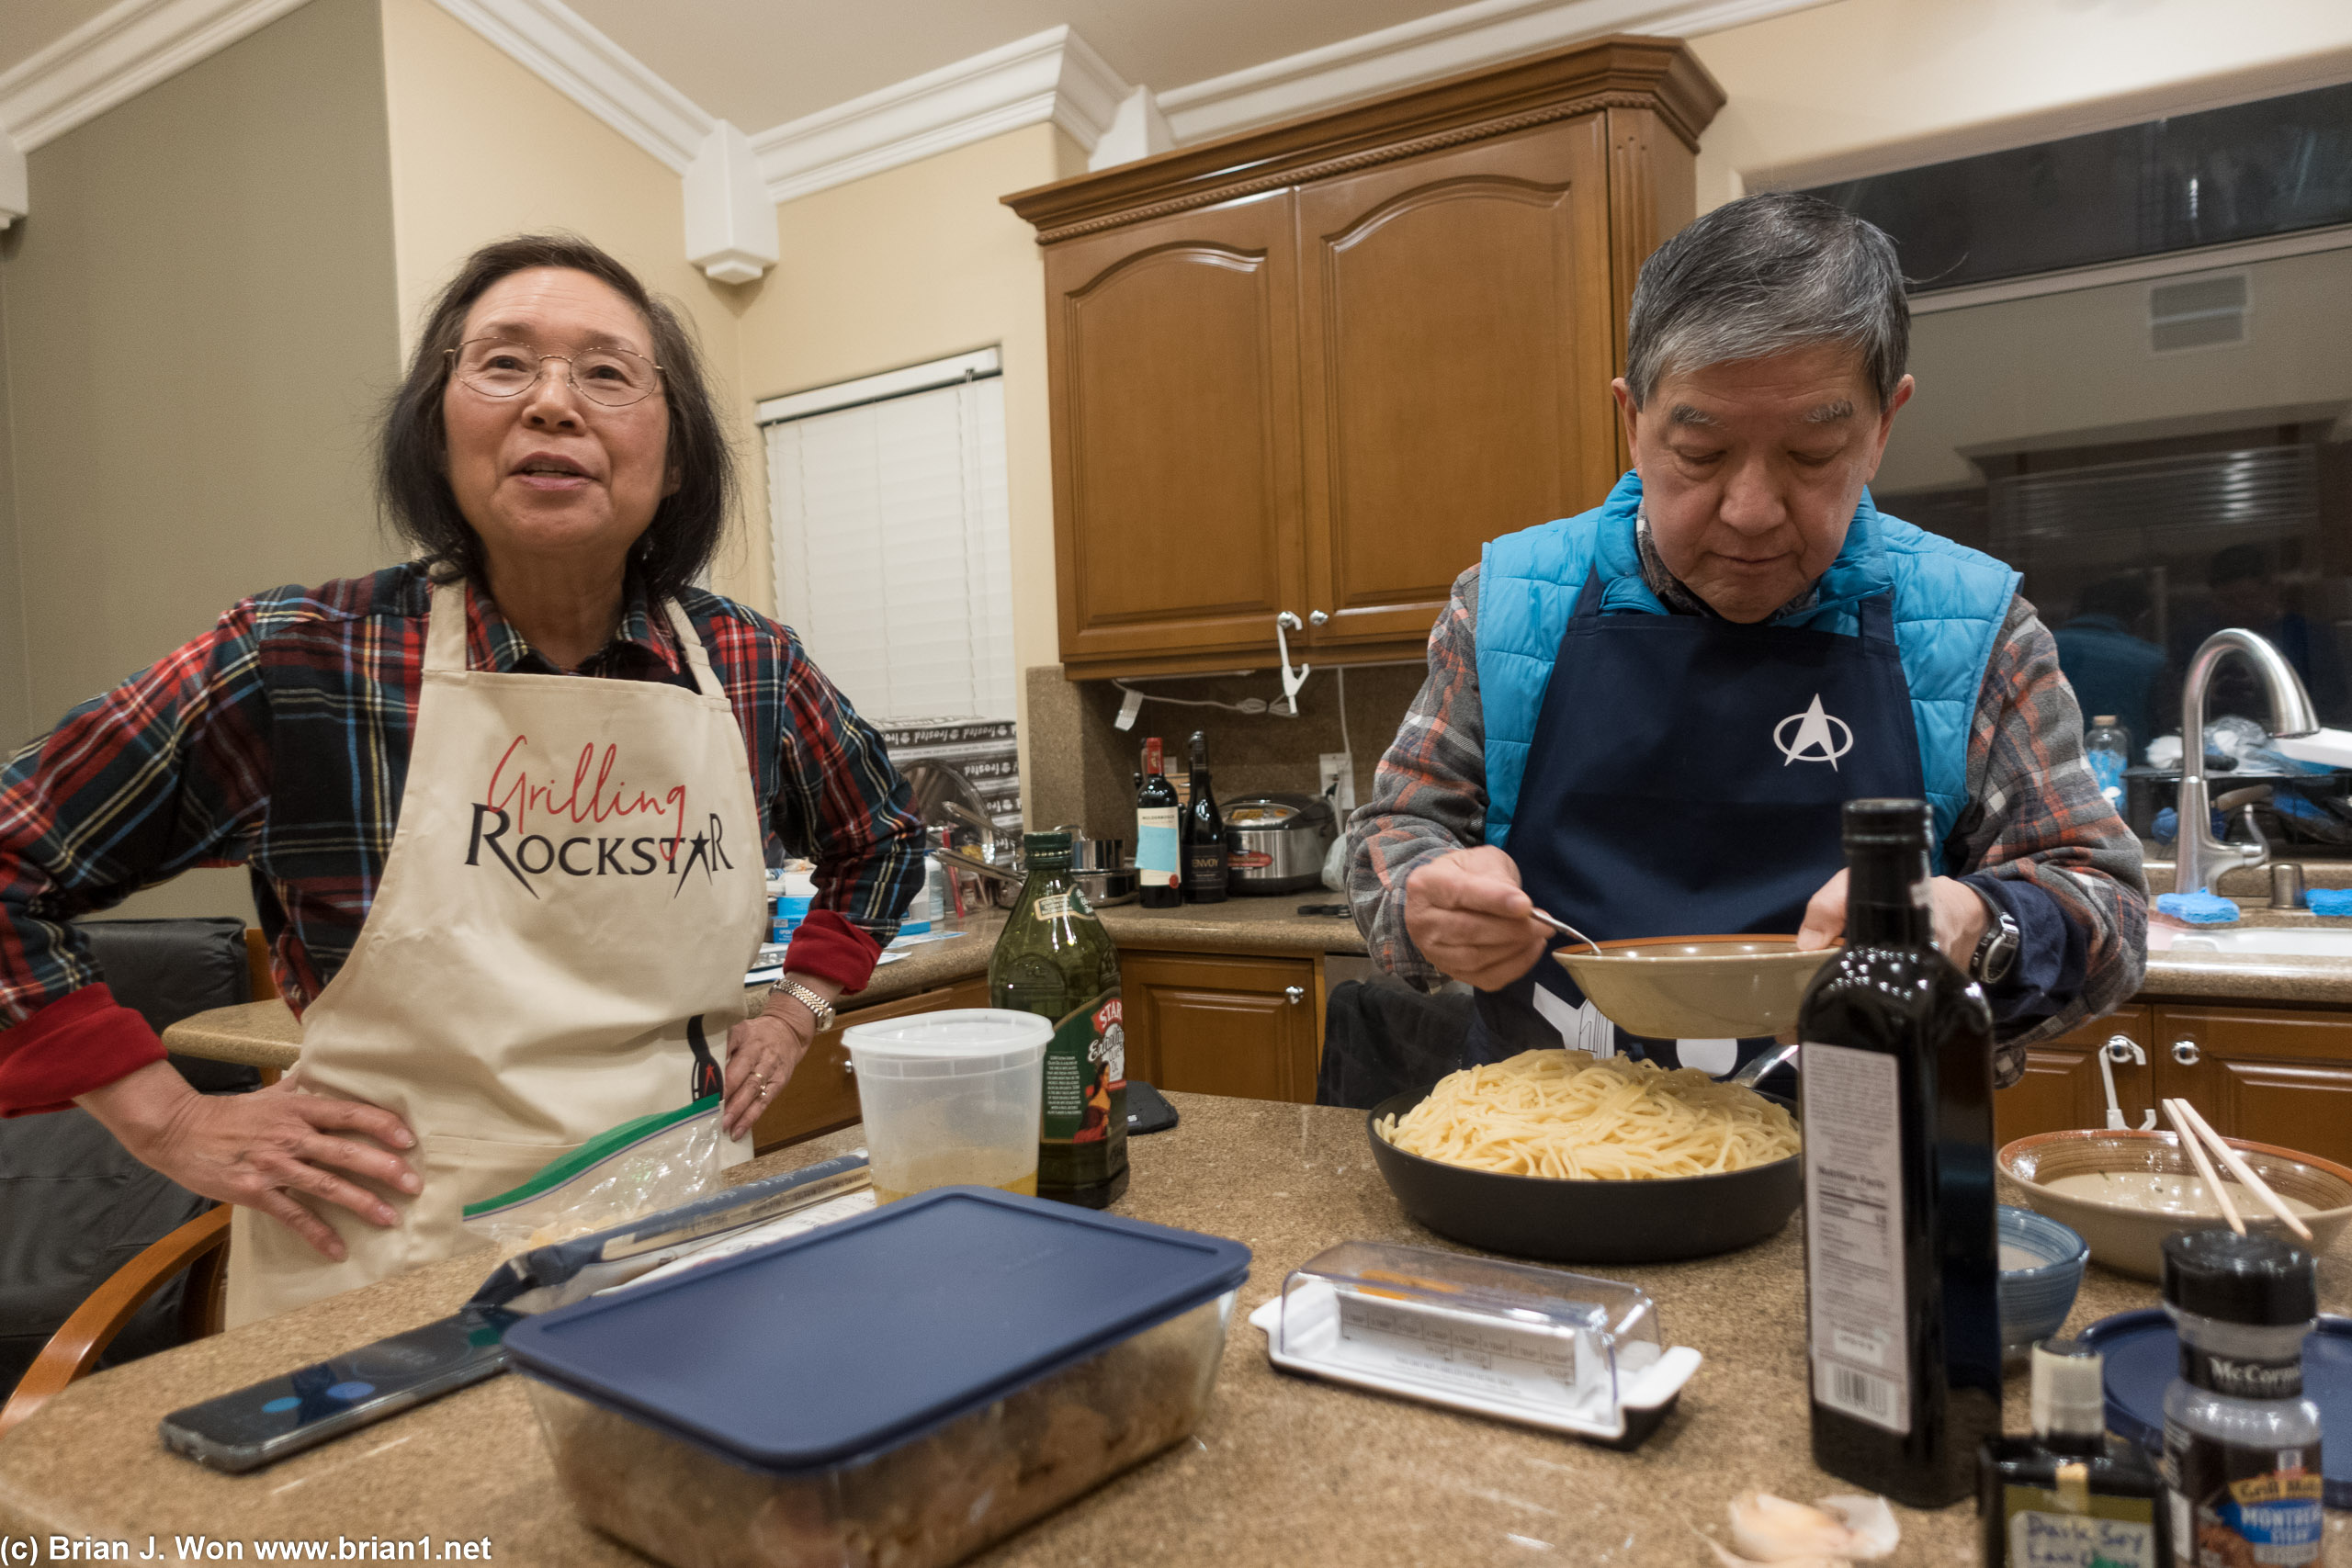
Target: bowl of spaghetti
(1554, 1155)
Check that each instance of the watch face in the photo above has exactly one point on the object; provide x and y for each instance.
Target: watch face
(2000, 949)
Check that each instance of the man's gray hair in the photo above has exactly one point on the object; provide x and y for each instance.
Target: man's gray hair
(1766, 275)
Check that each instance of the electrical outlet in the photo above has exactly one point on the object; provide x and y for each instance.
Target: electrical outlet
(1341, 767)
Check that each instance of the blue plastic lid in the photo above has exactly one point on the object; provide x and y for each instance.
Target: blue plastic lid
(2143, 1356)
(852, 1339)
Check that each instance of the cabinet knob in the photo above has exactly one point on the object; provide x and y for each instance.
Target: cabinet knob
(2122, 1050)
(1315, 617)
(2186, 1052)
(1287, 622)
(1296, 994)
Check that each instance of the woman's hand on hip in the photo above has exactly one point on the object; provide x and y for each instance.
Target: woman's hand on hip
(761, 1054)
(1467, 914)
(1956, 914)
(259, 1149)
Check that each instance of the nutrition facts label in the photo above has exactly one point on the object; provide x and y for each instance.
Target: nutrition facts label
(1853, 1235)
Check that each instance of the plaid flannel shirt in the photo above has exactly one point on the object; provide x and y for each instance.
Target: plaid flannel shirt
(280, 740)
(2038, 840)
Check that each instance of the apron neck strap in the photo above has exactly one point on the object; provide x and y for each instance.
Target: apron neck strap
(444, 636)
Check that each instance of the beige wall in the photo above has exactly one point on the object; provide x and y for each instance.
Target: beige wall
(1863, 87)
(200, 320)
(2091, 370)
(912, 265)
(481, 148)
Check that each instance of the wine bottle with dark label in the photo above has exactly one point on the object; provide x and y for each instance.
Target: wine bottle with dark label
(1903, 1335)
(1159, 850)
(1204, 850)
(1055, 959)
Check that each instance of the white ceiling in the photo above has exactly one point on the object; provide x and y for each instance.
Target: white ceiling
(762, 62)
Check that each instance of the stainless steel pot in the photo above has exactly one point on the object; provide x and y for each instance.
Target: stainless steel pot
(1276, 843)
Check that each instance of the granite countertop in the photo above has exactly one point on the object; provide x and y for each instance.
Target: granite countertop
(267, 1034)
(1283, 1470)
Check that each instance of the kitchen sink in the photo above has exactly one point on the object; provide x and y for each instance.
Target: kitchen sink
(2299, 942)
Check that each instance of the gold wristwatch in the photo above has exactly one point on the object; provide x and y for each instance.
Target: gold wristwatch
(821, 1009)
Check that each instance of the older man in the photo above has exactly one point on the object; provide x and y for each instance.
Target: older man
(1645, 718)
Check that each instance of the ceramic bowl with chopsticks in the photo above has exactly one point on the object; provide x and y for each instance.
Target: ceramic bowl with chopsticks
(2127, 1236)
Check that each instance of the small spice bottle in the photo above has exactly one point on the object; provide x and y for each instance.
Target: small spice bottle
(2242, 1444)
(2070, 1495)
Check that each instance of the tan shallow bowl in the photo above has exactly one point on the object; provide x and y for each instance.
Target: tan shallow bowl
(1696, 987)
(2130, 1240)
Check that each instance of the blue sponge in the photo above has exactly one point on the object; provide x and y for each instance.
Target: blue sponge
(2330, 900)
(2198, 909)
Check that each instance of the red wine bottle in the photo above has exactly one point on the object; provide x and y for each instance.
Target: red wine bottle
(1904, 1328)
(1159, 852)
(1205, 862)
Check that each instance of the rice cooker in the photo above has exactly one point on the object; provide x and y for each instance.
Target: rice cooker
(1276, 843)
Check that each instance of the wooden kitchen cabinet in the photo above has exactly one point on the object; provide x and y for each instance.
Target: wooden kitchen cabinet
(1309, 370)
(2273, 1074)
(1209, 1023)
(2062, 1088)
(821, 1095)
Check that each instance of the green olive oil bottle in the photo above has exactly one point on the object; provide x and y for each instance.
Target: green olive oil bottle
(1055, 959)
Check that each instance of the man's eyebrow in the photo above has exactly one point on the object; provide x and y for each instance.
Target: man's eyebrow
(1683, 414)
(1830, 414)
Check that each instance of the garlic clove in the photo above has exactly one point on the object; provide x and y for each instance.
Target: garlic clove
(1772, 1529)
(1869, 1522)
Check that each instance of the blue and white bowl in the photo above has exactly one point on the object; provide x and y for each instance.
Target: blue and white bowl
(2036, 1296)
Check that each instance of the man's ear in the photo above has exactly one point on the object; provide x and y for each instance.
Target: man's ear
(1629, 417)
(1903, 390)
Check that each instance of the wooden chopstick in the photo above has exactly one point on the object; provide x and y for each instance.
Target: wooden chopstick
(2244, 1173)
(2195, 1150)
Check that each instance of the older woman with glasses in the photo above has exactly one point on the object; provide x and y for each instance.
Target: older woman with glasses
(506, 807)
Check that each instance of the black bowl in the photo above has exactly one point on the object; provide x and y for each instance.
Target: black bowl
(1587, 1221)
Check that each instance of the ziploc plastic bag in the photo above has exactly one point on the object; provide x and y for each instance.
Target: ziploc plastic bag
(655, 1162)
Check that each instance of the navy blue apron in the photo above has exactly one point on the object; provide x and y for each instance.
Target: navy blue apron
(1685, 779)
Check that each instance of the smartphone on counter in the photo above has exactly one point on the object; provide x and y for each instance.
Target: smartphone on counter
(266, 1422)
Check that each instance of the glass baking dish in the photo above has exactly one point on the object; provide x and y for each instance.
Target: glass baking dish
(901, 1389)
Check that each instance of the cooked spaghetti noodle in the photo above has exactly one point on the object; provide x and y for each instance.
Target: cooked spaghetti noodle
(1560, 1113)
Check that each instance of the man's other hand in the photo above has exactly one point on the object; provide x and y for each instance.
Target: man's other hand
(1467, 914)
(1956, 914)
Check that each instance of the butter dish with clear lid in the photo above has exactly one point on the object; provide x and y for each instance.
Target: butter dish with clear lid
(1542, 1347)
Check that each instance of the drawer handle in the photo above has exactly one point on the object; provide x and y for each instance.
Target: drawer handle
(1296, 994)
(2186, 1052)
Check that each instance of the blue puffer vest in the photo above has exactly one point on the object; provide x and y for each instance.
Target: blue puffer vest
(1949, 602)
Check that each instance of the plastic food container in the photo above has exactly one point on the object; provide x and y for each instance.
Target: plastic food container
(900, 1389)
(1542, 1347)
(951, 1099)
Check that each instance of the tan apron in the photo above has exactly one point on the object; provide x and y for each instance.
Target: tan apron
(575, 874)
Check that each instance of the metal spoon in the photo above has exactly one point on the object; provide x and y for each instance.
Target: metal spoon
(1753, 1074)
(1567, 930)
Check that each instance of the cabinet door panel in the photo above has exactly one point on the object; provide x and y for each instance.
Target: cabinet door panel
(1175, 432)
(1455, 355)
(2270, 1074)
(2061, 1087)
(1218, 1025)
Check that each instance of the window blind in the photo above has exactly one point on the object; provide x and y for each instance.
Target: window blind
(893, 539)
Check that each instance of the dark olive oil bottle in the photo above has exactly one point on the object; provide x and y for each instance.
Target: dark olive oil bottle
(1900, 1271)
(1055, 959)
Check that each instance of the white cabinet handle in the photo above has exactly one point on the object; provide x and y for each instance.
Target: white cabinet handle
(1315, 617)
(1296, 994)
(2186, 1052)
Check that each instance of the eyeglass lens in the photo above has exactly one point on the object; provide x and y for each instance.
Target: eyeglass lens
(500, 369)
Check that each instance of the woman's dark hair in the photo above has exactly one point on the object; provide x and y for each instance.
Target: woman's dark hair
(412, 468)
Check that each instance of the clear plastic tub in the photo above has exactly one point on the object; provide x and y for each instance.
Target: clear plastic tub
(951, 1099)
(901, 1389)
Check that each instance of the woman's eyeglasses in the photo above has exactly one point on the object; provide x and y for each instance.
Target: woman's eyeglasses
(500, 367)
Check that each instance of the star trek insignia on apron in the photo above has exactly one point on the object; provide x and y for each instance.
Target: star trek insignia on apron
(574, 892)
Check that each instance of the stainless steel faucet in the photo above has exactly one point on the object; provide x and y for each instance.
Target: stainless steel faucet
(2201, 859)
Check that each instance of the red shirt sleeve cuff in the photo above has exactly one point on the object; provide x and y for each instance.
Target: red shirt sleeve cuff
(826, 945)
(83, 1041)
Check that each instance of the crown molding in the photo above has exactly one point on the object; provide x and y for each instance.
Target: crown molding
(1049, 76)
(1464, 38)
(118, 54)
(560, 46)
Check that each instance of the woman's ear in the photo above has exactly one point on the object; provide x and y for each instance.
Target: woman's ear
(673, 479)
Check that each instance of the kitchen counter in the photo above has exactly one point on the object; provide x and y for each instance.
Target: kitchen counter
(267, 1034)
(1283, 1470)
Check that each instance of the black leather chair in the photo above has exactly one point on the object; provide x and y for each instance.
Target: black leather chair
(74, 1206)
